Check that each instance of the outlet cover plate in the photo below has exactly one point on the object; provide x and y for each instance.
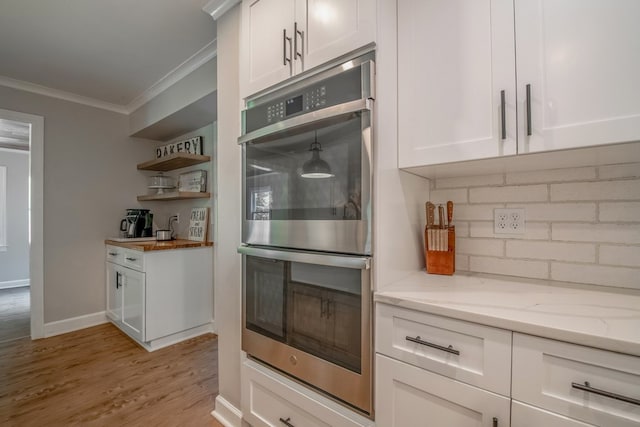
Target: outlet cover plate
(509, 221)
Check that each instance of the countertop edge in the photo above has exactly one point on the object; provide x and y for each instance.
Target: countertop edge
(153, 245)
(391, 296)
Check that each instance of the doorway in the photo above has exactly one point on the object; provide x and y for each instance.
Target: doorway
(21, 225)
(14, 230)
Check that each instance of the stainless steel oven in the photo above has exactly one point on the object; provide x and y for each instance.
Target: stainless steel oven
(309, 315)
(307, 162)
(307, 185)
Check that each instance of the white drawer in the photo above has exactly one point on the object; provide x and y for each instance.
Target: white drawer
(408, 396)
(115, 254)
(527, 416)
(269, 399)
(133, 259)
(484, 358)
(545, 371)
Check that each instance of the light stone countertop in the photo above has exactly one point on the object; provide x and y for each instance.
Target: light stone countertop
(587, 315)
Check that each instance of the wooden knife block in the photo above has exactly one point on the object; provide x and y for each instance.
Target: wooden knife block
(441, 262)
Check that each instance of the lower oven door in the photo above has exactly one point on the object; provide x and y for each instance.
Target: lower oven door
(309, 315)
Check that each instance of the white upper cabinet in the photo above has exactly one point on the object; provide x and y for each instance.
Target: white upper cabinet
(581, 59)
(281, 38)
(336, 27)
(578, 60)
(266, 43)
(455, 61)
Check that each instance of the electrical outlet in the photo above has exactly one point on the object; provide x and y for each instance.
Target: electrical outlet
(509, 221)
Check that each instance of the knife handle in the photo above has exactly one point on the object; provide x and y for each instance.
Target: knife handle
(449, 212)
(441, 216)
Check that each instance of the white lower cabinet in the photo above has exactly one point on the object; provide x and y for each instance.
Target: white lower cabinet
(585, 384)
(496, 377)
(160, 297)
(272, 400)
(410, 396)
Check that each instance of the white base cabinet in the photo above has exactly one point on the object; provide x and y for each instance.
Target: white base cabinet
(272, 400)
(160, 297)
(410, 396)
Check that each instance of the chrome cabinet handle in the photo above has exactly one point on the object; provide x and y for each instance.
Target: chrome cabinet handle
(131, 259)
(323, 310)
(117, 279)
(528, 110)
(503, 116)
(113, 253)
(297, 33)
(417, 340)
(286, 39)
(495, 422)
(286, 422)
(587, 387)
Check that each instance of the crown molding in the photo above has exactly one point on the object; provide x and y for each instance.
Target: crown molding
(217, 8)
(198, 59)
(61, 94)
(194, 62)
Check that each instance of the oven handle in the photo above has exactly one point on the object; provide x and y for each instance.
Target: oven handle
(330, 113)
(346, 261)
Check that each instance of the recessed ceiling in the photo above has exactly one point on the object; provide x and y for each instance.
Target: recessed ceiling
(111, 50)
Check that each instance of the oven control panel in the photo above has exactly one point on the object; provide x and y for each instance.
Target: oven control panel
(305, 102)
(300, 99)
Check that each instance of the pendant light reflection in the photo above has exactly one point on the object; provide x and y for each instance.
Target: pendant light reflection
(316, 167)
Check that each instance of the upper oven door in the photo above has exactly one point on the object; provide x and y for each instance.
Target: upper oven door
(307, 163)
(311, 190)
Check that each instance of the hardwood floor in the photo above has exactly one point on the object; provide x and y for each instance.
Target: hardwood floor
(99, 377)
(14, 313)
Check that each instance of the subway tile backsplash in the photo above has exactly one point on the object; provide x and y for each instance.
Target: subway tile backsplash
(582, 224)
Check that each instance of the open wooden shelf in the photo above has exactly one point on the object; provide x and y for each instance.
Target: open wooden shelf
(173, 161)
(175, 195)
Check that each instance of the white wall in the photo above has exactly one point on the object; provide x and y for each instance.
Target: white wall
(399, 197)
(582, 224)
(227, 274)
(90, 178)
(14, 261)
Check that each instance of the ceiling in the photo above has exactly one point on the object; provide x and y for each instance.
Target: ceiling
(112, 51)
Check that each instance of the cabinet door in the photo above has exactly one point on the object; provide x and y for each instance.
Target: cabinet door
(133, 284)
(410, 396)
(307, 308)
(527, 416)
(114, 292)
(265, 47)
(333, 28)
(455, 57)
(581, 59)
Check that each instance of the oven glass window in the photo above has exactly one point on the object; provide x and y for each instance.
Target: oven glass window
(314, 308)
(315, 175)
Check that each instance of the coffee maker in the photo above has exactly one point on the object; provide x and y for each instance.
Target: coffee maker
(137, 223)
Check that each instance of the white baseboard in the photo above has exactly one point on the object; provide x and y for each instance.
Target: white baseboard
(14, 284)
(227, 414)
(74, 324)
(177, 337)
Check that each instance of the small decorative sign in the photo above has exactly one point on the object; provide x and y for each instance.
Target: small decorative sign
(195, 181)
(191, 146)
(198, 224)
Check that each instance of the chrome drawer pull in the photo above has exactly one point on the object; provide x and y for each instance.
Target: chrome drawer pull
(587, 387)
(132, 259)
(113, 253)
(286, 422)
(417, 340)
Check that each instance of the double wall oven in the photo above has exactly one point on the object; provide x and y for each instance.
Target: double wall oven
(307, 184)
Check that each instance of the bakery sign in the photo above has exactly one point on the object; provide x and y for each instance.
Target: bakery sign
(191, 146)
